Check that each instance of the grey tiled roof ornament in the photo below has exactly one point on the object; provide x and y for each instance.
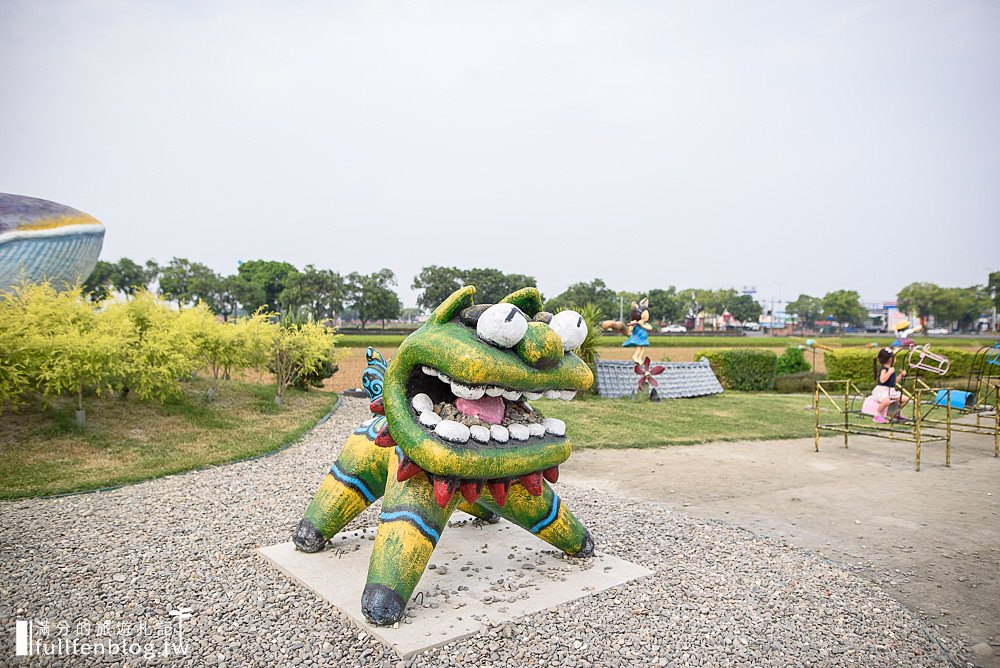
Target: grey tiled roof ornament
(677, 380)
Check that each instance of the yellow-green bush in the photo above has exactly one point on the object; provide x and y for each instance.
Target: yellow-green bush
(59, 343)
(297, 350)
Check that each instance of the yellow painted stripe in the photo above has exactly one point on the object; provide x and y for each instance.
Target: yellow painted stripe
(61, 221)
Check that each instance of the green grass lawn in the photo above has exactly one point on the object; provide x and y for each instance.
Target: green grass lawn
(593, 422)
(43, 452)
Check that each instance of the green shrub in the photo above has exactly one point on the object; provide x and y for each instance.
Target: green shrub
(743, 369)
(797, 382)
(792, 361)
(857, 365)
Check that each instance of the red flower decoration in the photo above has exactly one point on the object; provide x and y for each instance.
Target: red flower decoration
(646, 375)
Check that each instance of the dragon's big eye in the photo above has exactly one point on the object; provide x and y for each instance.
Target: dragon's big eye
(502, 325)
(571, 328)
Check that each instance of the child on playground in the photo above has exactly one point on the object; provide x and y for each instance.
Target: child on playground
(886, 376)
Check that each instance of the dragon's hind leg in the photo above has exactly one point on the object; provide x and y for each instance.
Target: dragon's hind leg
(353, 483)
(546, 516)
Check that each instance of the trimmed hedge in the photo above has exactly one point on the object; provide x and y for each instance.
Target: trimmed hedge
(793, 360)
(743, 369)
(856, 364)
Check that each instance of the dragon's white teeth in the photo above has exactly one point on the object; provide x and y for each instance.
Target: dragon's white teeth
(466, 392)
(444, 379)
(531, 396)
(494, 391)
(429, 418)
(479, 433)
(450, 430)
(499, 433)
(511, 395)
(554, 426)
(519, 432)
(422, 403)
(553, 394)
(536, 429)
(429, 371)
(567, 395)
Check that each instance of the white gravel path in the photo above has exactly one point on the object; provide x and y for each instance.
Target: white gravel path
(721, 596)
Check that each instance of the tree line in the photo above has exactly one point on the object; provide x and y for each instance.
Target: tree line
(315, 294)
(321, 294)
(961, 307)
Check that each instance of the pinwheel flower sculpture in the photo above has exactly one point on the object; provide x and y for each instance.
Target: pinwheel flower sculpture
(648, 375)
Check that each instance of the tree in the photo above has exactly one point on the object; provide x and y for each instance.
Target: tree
(962, 306)
(371, 296)
(187, 282)
(263, 282)
(492, 285)
(595, 292)
(98, 285)
(993, 287)
(919, 297)
(715, 302)
(320, 292)
(807, 310)
(665, 305)
(127, 277)
(845, 307)
(228, 301)
(745, 308)
(437, 284)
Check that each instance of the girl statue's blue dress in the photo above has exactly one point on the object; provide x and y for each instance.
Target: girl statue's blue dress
(639, 337)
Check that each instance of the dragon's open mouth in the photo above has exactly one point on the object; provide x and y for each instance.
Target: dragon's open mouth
(483, 418)
(491, 415)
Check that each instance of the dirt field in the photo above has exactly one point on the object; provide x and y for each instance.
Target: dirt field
(931, 539)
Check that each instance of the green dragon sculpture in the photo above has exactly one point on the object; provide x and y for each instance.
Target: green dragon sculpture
(451, 429)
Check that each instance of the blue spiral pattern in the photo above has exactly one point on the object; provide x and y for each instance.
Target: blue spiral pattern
(373, 377)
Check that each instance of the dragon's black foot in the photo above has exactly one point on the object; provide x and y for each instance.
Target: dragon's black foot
(307, 537)
(381, 605)
(587, 549)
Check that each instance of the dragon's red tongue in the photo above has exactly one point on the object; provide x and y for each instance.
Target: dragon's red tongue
(487, 409)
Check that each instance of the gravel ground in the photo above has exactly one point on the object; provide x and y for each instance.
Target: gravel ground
(720, 596)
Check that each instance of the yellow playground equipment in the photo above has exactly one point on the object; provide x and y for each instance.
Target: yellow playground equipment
(928, 414)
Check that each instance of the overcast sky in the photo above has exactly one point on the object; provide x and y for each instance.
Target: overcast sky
(794, 146)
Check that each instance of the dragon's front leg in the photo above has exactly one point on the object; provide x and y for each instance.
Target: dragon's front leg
(354, 482)
(409, 528)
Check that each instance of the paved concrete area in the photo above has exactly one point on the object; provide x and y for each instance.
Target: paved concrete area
(480, 575)
(931, 539)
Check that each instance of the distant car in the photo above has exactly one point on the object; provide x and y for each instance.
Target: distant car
(752, 326)
(674, 329)
(939, 330)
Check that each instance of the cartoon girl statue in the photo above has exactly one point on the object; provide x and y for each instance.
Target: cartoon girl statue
(637, 329)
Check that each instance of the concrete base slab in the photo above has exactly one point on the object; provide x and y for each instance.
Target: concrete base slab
(479, 573)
